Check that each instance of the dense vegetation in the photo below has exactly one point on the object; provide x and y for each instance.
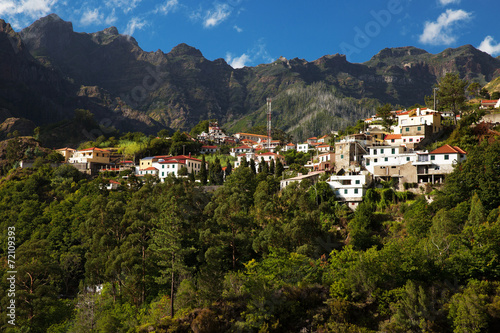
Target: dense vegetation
(249, 257)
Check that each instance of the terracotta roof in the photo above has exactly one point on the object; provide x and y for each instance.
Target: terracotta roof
(243, 147)
(447, 149)
(150, 168)
(209, 147)
(290, 144)
(489, 101)
(258, 135)
(313, 138)
(267, 154)
(114, 182)
(95, 149)
(392, 136)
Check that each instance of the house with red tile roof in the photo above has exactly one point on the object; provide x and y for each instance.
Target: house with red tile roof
(171, 165)
(490, 103)
(393, 139)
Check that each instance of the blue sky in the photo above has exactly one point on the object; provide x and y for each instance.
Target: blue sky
(251, 32)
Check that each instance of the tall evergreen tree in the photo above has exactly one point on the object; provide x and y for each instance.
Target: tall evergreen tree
(279, 168)
(203, 171)
(252, 166)
(271, 167)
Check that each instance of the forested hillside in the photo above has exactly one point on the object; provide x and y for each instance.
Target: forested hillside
(173, 257)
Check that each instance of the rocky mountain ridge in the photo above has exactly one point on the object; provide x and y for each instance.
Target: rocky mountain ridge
(130, 89)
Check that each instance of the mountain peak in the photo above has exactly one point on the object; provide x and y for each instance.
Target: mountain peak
(184, 49)
(398, 52)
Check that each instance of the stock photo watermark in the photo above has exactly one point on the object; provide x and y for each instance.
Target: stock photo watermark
(373, 28)
(11, 275)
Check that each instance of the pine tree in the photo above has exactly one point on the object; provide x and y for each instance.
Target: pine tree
(252, 166)
(203, 171)
(271, 167)
(229, 168)
(279, 168)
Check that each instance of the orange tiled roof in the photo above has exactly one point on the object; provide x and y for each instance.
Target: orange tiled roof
(447, 149)
(392, 136)
(95, 149)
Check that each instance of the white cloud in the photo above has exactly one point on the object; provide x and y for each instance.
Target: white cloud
(238, 28)
(258, 54)
(111, 19)
(237, 62)
(167, 7)
(125, 5)
(91, 17)
(489, 45)
(217, 15)
(448, 2)
(442, 32)
(32, 8)
(134, 24)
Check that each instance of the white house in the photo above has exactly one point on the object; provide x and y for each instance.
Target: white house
(173, 164)
(303, 147)
(350, 188)
(209, 149)
(312, 176)
(433, 166)
(241, 150)
(387, 156)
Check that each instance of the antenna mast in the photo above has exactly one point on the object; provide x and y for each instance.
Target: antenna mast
(269, 101)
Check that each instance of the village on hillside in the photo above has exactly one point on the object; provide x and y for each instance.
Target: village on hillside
(350, 164)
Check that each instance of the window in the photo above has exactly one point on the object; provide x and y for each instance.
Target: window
(404, 140)
(163, 174)
(358, 181)
(375, 160)
(374, 151)
(407, 129)
(386, 159)
(433, 157)
(393, 150)
(446, 157)
(419, 128)
(341, 156)
(367, 162)
(408, 158)
(355, 191)
(411, 140)
(345, 191)
(393, 140)
(381, 151)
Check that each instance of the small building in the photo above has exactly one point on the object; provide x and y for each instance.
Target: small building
(66, 152)
(289, 146)
(490, 103)
(90, 155)
(241, 150)
(350, 188)
(148, 171)
(393, 139)
(349, 153)
(209, 149)
(170, 166)
(312, 176)
(432, 167)
(303, 147)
